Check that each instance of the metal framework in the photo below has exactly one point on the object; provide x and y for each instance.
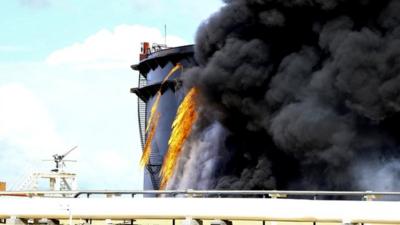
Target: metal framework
(58, 181)
(142, 111)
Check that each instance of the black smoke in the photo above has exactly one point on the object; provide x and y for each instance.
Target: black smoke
(308, 92)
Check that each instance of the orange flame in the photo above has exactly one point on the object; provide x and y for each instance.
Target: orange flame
(147, 147)
(158, 95)
(181, 129)
(154, 117)
(153, 111)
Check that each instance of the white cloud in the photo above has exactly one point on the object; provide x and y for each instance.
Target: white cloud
(110, 49)
(25, 122)
(27, 133)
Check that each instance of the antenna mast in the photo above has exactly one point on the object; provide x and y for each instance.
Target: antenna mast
(165, 34)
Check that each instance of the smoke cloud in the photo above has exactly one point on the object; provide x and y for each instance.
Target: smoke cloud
(307, 93)
(197, 164)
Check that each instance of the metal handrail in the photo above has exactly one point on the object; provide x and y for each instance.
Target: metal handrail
(197, 193)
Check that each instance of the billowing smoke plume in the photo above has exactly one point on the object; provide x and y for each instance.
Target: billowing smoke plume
(306, 91)
(200, 158)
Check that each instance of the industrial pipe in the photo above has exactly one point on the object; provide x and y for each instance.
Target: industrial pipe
(262, 209)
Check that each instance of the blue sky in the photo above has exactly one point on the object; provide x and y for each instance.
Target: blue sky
(65, 80)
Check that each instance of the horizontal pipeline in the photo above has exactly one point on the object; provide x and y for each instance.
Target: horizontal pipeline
(199, 193)
(265, 209)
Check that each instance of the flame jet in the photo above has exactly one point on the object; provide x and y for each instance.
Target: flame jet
(147, 147)
(154, 117)
(158, 96)
(181, 129)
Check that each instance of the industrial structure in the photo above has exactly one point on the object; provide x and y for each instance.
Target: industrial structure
(160, 89)
(157, 75)
(58, 178)
(197, 207)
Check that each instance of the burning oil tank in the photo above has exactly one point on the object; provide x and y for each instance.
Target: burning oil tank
(159, 90)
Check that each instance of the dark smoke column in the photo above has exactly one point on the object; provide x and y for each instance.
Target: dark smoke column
(307, 93)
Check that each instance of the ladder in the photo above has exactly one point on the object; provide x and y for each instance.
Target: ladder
(142, 112)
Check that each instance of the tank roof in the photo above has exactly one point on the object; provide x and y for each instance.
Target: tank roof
(146, 92)
(162, 57)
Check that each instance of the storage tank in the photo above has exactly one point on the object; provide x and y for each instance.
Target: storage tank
(156, 63)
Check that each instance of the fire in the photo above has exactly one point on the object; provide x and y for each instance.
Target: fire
(154, 117)
(153, 111)
(181, 129)
(158, 95)
(147, 147)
